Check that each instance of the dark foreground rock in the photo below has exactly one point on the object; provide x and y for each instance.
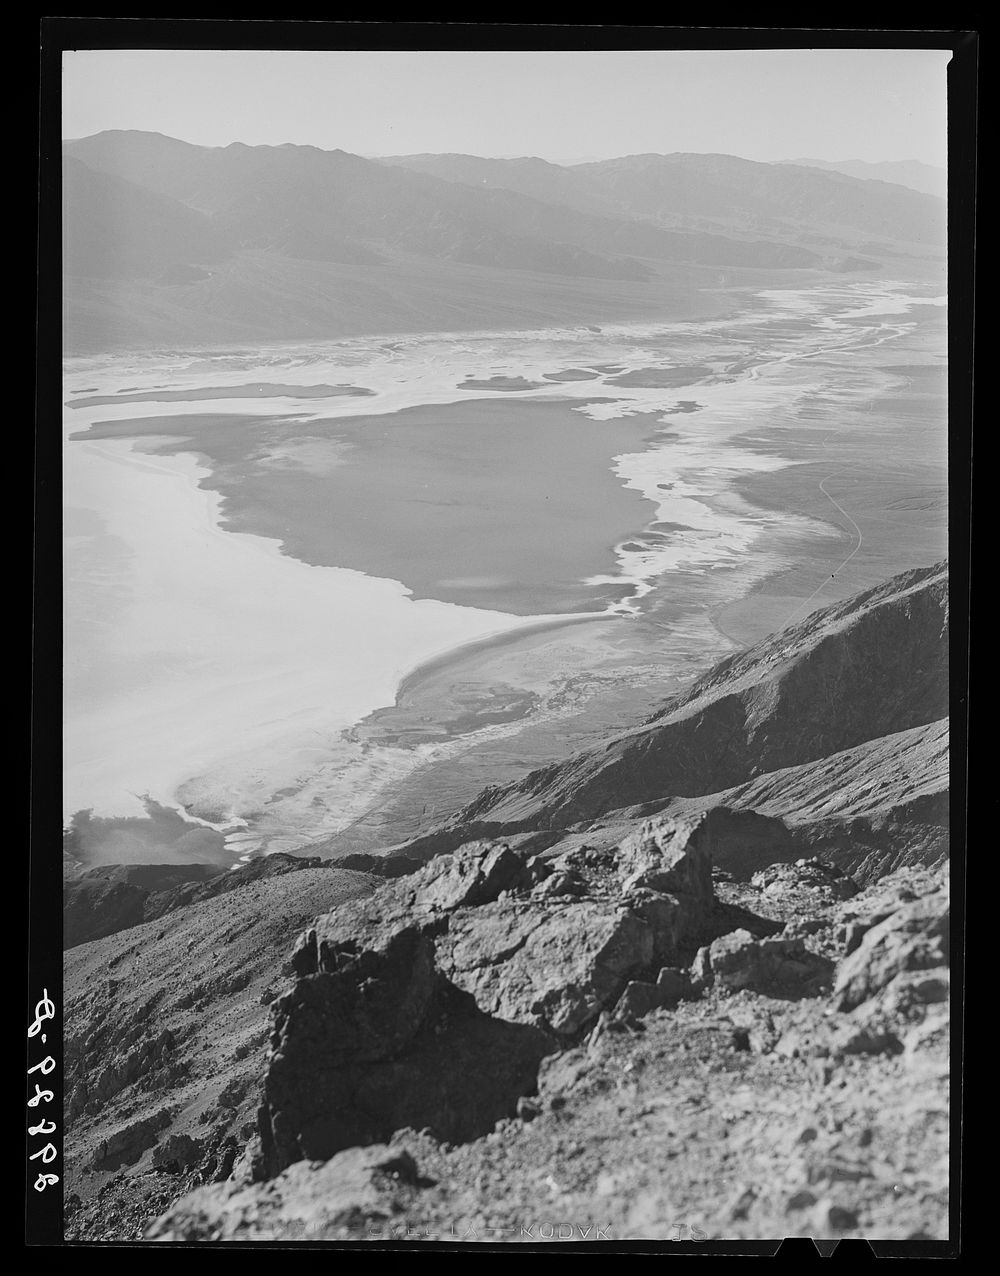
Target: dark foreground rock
(432, 1002)
(692, 1112)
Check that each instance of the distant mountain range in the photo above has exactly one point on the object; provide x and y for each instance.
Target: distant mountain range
(164, 240)
(927, 178)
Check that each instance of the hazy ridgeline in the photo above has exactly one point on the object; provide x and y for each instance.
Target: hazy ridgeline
(170, 243)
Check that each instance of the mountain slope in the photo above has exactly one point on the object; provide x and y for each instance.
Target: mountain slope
(332, 206)
(167, 242)
(690, 875)
(114, 228)
(865, 668)
(926, 178)
(723, 187)
(721, 190)
(166, 1023)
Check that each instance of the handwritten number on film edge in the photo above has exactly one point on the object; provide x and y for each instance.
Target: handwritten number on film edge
(44, 1010)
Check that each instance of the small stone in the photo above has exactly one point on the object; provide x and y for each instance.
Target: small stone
(840, 1219)
(560, 883)
(823, 1071)
(808, 1135)
(701, 968)
(673, 985)
(852, 934)
(742, 1204)
(528, 1109)
(734, 959)
(800, 1201)
(638, 999)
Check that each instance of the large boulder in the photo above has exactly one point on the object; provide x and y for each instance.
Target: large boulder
(913, 937)
(431, 1003)
(669, 854)
(552, 966)
(778, 967)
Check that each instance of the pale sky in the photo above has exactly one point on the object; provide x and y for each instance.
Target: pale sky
(868, 104)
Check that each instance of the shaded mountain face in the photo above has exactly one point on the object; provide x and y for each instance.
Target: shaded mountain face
(721, 190)
(723, 187)
(331, 206)
(609, 220)
(872, 668)
(114, 228)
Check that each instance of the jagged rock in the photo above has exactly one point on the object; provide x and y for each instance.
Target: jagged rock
(431, 1003)
(566, 882)
(380, 1031)
(809, 884)
(477, 876)
(550, 966)
(884, 897)
(801, 927)
(931, 1037)
(77, 1101)
(768, 965)
(248, 1165)
(234, 1091)
(673, 985)
(639, 998)
(863, 1038)
(669, 922)
(528, 1109)
(908, 996)
(913, 937)
(733, 959)
(456, 1075)
(177, 1153)
(671, 856)
(218, 1167)
(129, 1142)
(701, 968)
(353, 1188)
(136, 1063)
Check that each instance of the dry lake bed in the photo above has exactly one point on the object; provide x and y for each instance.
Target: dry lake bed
(298, 578)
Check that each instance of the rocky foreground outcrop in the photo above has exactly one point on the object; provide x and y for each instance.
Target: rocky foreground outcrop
(470, 1001)
(432, 1002)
